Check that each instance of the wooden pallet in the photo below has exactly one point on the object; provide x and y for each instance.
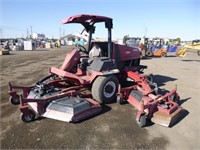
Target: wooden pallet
(4, 52)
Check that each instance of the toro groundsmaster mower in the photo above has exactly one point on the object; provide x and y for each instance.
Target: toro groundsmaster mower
(104, 72)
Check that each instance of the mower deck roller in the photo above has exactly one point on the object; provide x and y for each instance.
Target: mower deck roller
(165, 119)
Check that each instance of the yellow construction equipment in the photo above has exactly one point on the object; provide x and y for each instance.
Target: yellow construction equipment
(182, 51)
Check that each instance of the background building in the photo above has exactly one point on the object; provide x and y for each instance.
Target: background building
(38, 36)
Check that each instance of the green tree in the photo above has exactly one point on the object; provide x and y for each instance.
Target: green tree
(124, 38)
(178, 40)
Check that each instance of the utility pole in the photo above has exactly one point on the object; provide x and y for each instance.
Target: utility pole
(146, 30)
(63, 32)
(60, 32)
(31, 32)
(27, 32)
(145, 34)
(1, 33)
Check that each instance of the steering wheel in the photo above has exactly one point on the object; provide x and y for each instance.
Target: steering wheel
(81, 48)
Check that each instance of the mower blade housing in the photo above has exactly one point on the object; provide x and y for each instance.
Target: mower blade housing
(165, 119)
(69, 109)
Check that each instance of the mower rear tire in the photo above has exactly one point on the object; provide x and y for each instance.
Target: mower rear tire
(28, 118)
(104, 88)
(14, 101)
(142, 122)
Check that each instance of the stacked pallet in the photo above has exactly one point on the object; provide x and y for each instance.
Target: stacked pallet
(4, 52)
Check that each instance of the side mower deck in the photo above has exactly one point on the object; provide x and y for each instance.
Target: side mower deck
(162, 110)
(53, 103)
(69, 109)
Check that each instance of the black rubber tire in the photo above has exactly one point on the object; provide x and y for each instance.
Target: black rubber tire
(174, 98)
(29, 118)
(142, 121)
(198, 52)
(99, 88)
(14, 101)
(149, 53)
(150, 78)
(163, 54)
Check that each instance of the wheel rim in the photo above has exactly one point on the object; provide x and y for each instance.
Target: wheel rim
(109, 89)
(163, 55)
(148, 53)
(28, 118)
(15, 100)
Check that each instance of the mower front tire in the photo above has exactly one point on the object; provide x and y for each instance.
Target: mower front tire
(104, 88)
(119, 100)
(142, 122)
(150, 77)
(28, 118)
(14, 101)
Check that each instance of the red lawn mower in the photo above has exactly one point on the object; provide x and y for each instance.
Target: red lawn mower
(104, 72)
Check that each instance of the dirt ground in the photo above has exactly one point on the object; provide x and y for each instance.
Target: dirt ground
(116, 127)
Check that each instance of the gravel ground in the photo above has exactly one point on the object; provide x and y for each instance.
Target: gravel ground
(116, 127)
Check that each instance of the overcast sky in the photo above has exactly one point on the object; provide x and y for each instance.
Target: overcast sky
(153, 18)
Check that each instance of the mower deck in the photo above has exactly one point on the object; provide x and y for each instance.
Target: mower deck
(70, 109)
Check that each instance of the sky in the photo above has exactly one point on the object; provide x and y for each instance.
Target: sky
(136, 18)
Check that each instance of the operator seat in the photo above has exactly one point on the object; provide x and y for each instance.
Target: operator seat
(94, 53)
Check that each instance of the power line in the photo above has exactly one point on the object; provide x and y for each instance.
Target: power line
(12, 28)
(60, 32)
(63, 32)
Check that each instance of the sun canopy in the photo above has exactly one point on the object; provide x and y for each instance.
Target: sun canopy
(83, 18)
(86, 20)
